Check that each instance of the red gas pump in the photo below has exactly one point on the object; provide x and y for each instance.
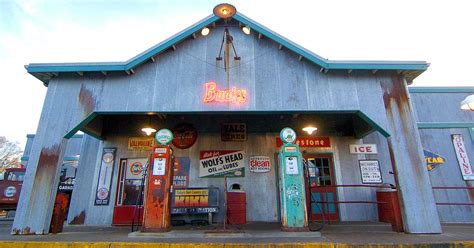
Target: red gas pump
(157, 205)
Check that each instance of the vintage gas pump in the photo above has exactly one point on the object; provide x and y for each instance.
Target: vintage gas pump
(292, 193)
(158, 189)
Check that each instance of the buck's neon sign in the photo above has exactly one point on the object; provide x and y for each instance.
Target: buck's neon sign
(233, 95)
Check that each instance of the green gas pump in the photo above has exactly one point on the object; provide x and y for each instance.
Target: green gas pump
(292, 192)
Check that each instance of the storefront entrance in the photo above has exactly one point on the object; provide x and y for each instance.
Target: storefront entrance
(128, 202)
(320, 193)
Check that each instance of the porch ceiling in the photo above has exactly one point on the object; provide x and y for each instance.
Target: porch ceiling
(342, 123)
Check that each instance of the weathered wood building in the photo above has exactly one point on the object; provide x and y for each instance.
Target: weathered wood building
(265, 82)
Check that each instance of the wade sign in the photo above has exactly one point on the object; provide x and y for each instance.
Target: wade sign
(363, 149)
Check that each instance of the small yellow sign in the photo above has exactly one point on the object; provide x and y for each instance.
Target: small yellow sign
(141, 143)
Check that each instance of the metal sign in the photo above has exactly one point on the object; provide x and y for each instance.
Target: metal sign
(181, 172)
(222, 163)
(185, 136)
(164, 136)
(195, 201)
(102, 196)
(141, 143)
(462, 157)
(363, 149)
(259, 164)
(233, 132)
(323, 142)
(288, 135)
(370, 171)
(432, 159)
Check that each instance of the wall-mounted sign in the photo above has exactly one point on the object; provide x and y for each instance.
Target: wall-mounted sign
(287, 135)
(195, 201)
(432, 159)
(370, 171)
(462, 157)
(363, 149)
(181, 172)
(308, 142)
(135, 168)
(222, 163)
(102, 196)
(164, 136)
(233, 95)
(141, 143)
(185, 136)
(259, 164)
(233, 132)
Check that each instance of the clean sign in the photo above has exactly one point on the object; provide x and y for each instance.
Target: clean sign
(363, 149)
(461, 155)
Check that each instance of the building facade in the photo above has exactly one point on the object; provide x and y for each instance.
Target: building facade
(236, 99)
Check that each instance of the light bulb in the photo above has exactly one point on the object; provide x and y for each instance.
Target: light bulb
(148, 130)
(205, 31)
(246, 30)
(310, 129)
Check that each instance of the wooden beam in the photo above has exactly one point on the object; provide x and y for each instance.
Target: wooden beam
(104, 73)
(194, 37)
(174, 47)
(260, 36)
(80, 73)
(280, 47)
(374, 71)
(152, 58)
(300, 58)
(55, 74)
(326, 71)
(349, 71)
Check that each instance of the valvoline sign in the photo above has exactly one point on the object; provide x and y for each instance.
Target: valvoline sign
(432, 159)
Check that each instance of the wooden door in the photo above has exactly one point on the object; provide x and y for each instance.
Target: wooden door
(320, 196)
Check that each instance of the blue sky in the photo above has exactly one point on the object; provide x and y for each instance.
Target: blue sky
(34, 31)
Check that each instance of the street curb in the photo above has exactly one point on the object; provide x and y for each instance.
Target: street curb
(36, 244)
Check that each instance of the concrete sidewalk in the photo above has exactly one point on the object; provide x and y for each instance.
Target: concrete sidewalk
(365, 234)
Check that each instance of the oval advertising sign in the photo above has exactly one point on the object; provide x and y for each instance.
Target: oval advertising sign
(164, 136)
(10, 191)
(288, 135)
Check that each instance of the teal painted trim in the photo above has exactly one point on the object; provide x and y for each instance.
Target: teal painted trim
(441, 89)
(444, 125)
(373, 124)
(329, 64)
(84, 122)
(71, 159)
(76, 136)
(471, 132)
(25, 158)
(30, 135)
(75, 67)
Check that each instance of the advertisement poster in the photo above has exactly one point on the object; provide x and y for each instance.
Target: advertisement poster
(181, 172)
(259, 164)
(185, 136)
(462, 157)
(233, 132)
(135, 168)
(195, 201)
(370, 171)
(222, 163)
(102, 196)
(141, 143)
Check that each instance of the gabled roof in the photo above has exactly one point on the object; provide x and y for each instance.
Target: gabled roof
(44, 72)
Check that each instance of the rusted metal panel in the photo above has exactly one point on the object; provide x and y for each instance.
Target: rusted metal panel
(417, 201)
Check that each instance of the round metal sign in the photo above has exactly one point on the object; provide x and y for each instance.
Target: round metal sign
(10, 191)
(185, 136)
(288, 135)
(164, 136)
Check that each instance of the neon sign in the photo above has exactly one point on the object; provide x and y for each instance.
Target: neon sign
(233, 95)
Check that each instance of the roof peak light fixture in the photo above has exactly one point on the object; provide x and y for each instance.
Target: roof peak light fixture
(468, 103)
(225, 11)
(310, 129)
(205, 31)
(246, 30)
